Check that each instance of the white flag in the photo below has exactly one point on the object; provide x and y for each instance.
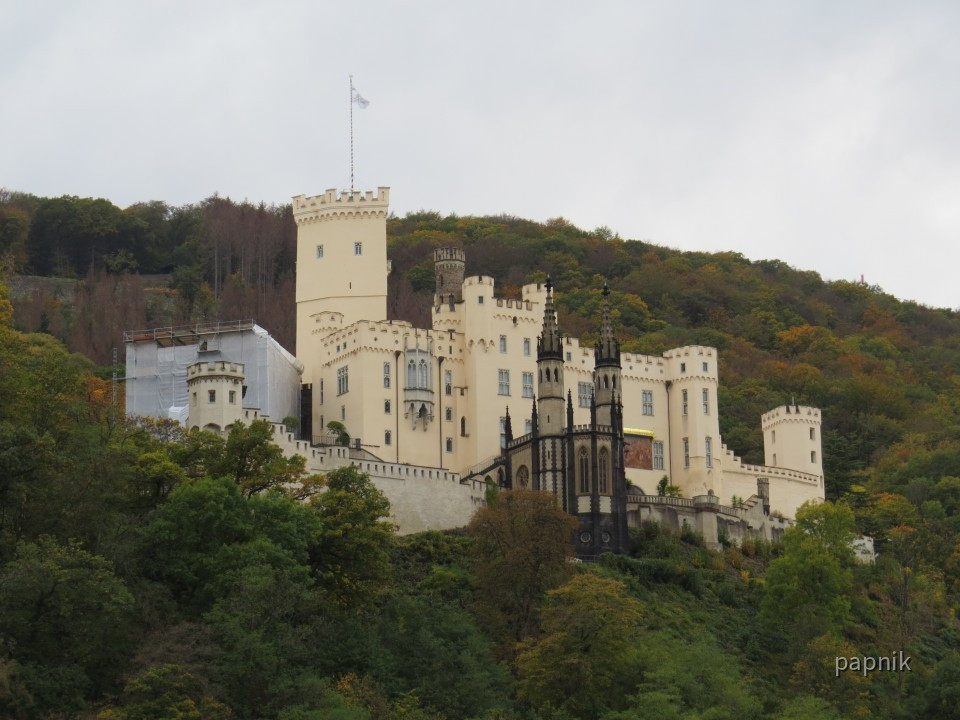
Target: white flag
(359, 100)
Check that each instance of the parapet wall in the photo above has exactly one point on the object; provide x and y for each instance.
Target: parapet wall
(341, 204)
(790, 414)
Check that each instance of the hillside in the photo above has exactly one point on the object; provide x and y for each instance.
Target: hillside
(883, 370)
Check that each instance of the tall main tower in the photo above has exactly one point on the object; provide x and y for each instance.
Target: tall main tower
(341, 264)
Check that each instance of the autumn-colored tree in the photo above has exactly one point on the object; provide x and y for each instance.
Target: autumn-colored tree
(523, 545)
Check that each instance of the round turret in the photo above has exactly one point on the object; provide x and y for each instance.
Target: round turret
(215, 389)
(449, 265)
(791, 438)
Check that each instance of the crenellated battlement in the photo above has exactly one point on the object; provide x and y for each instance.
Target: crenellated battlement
(454, 254)
(219, 368)
(336, 203)
(790, 414)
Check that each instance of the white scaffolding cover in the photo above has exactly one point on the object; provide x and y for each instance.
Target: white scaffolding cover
(157, 372)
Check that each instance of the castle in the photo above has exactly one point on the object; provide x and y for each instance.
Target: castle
(433, 411)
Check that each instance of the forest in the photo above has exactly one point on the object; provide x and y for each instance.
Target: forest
(150, 573)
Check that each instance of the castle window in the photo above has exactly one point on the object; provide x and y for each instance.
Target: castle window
(343, 380)
(424, 374)
(358, 248)
(686, 453)
(773, 436)
(813, 434)
(526, 346)
(448, 382)
(449, 444)
(503, 382)
(386, 407)
(321, 392)
(813, 456)
(606, 382)
(648, 402)
(706, 368)
(556, 375)
(411, 374)
(387, 437)
(528, 426)
(523, 476)
(774, 459)
(709, 449)
(658, 454)
(319, 252)
(569, 357)
(463, 427)
(706, 401)
(527, 384)
(602, 470)
(343, 412)
(233, 397)
(386, 375)
(683, 397)
(584, 465)
(211, 395)
(479, 299)
(584, 393)
(503, 433)
(448, 414)
(194, 398)
(503, 343)
(683, 367)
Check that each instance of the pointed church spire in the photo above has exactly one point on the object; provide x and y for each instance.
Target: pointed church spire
(607, 352)
(548, 344)
(508, 427)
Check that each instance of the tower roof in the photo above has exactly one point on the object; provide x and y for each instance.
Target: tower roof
(607, 352)
(549, 346)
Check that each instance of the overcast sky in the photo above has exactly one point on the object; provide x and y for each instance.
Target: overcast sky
(826, 134)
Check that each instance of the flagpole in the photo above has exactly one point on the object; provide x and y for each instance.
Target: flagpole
(351, 134)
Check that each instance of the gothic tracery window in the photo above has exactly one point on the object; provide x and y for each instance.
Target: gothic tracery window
(523, 476)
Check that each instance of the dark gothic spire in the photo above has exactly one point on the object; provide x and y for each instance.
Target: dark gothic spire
(548, 344)
(508, 427)
(607, 352)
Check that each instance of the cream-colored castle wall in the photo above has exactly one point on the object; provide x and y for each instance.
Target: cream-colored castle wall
(340, 281)
(421, 497)
(789, 489)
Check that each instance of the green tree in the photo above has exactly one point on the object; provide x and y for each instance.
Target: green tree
(808, 586)
(689, 678)
(352, 556)
(165, 692)
(585, 660)
(69, 619)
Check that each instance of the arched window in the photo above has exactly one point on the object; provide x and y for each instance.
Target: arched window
(540, 376)
(614, 382)
(606, 382)
(424, 375)
(463, 426)
(602, 470)
(556, 375)
(523, 476)
(584, 465)
(411, 374)
(500, 477)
